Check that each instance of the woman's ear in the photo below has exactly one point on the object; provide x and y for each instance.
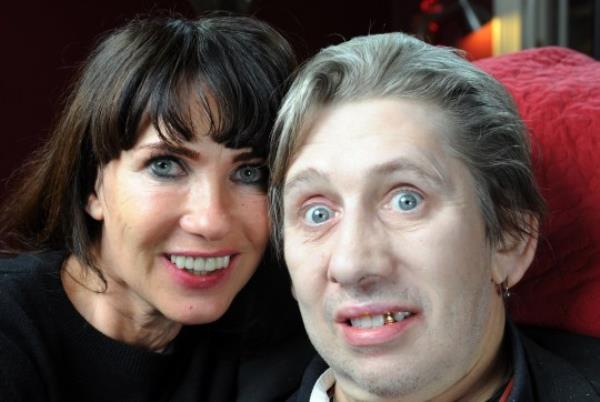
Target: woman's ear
(514, 254)
(93, 205)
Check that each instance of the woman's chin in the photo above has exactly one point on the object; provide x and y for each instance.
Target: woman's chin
(198, 313)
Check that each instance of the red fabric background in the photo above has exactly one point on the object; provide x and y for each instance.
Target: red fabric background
(558, 94)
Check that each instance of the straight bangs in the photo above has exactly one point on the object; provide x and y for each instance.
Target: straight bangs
(233, 75)
(246, 89)
(161, 86)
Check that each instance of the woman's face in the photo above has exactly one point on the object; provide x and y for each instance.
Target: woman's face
(183, 228)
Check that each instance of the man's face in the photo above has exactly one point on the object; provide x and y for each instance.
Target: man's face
(386, 247)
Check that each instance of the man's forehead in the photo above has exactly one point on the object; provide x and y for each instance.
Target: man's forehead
(372, 114)
(376, 137)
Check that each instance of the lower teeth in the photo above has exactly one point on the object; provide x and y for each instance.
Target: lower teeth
(191, 271)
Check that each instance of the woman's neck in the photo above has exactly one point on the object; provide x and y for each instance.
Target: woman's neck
(110, 309)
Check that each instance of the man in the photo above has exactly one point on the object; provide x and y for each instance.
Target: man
(402, 189)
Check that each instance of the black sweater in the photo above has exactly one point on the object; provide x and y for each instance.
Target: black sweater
(48, 352)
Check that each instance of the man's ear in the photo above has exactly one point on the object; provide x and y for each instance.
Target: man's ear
(514, 253)
(93, 205)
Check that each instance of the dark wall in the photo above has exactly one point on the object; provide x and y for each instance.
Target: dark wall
(42, 42)
(313, 24)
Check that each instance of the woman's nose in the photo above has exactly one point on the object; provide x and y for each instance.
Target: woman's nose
(207, 212)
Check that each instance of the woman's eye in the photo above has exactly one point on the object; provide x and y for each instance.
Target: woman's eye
(406, 200)
(318, 214)
(251, 174)
(165, 167)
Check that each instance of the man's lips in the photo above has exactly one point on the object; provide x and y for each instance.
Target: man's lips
(373, 325)
(386, 310)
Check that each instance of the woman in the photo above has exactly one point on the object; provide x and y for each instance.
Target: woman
(145, 213)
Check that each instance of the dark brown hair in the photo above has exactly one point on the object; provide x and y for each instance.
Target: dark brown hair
(149, 69)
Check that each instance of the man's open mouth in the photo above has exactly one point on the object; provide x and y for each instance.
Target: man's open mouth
(379, 320)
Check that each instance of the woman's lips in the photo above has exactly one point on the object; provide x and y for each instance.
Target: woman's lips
(196, 271)
(199, 264)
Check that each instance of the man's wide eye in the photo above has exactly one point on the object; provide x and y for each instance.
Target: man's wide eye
(406, 200)
(318, 214)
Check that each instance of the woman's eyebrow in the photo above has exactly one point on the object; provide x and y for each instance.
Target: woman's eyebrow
(245, 156)
(178, 150)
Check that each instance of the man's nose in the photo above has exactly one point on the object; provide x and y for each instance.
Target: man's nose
(359, 253)
(207, 210)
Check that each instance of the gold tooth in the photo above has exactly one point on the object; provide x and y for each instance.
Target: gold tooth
(388, 318)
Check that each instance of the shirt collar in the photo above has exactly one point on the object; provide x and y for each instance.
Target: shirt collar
(320, 392)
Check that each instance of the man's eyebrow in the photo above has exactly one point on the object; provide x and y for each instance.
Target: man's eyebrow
(303, 176)
(434, 174)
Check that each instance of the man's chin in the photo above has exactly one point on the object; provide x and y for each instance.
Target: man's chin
(375, 385)
(390, 376)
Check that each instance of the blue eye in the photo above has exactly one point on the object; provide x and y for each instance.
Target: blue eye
(406, 200)
(251, 174)
(165, 167)
(318, 214)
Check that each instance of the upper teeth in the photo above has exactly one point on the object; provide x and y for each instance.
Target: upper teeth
(200, 264)
(373, 321)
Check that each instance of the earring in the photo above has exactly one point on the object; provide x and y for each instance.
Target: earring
(506, 293)
(502, 289)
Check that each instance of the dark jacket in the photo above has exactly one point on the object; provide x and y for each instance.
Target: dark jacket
(549, 366)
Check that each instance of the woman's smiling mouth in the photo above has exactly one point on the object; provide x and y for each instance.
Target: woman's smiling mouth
(201, 272)
(200, 265)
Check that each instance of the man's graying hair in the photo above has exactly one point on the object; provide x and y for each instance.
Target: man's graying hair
(488, 136)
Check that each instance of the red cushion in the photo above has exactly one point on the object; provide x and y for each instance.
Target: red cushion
(557, 91)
